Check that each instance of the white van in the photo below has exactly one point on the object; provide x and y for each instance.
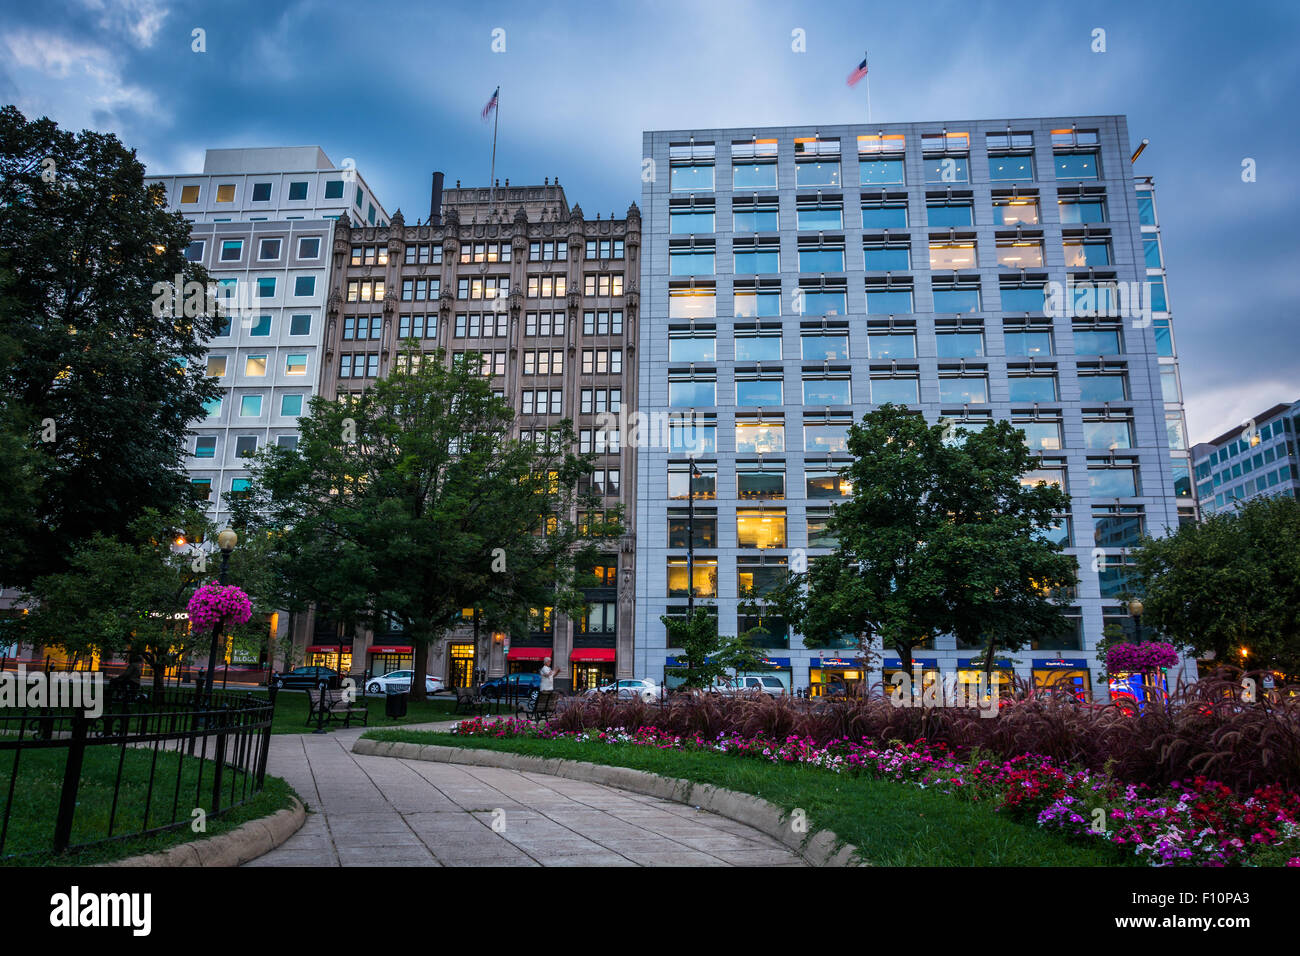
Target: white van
(764, 683)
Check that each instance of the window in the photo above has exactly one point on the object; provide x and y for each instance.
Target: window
(883, 215)
(602, 361)
(1081, 211)
(1151, 252)
(333, 189)
(297, 191)
(300, 325)
(1024, 387)
(754, 258)
(759, 483)
(1020, 255)
(705, 577)
(1017, 211)
(756, 303)
(826, 390)
(202, 488)
(889, 300)
(825, 346)
(948, 169)
(703, 487)
(1118, 526)
(538, 251)
(689, 392)
(231, 250)
(261, 192)
(891, 345)
(1022, 297)
(945, 215)
(541, 323)
(964, 389)
(756, 390)
(819, 533)
(304, 286)
(189, 194)
(953, 255)
(1028, 343)
(261, 326)
(824, 436)
(753, 176)
(268, 249)
(226, 193)
(205, 446)
(295, 364)
(823, 216)
(266, 287)
(1007, 167)
(891, 257)
(691, 178)
(255, 366)
(250, 406)
(680, 532)
(1106, 481)
(1076, 166)
(539, 287)
(216, 366)
(194, 251)
(1041, 434)
(1102, 386)
(826, 256)
(212, 408)
(952, 296)
(687, 220)
(960, 344)
(901, 389)
(245, 446)
(1090, 252)
(291, 405)
(817, 174)
(762, 528)
(1108, 434)
(691, 303)
(756, 437)
(309, 247)
(1096, 341)
(758, 346)
(826, 483)
(603, 284)
(880, 172)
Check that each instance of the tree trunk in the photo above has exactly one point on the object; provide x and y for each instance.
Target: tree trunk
(419, 667)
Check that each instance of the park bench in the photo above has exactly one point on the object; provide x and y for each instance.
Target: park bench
(540, 707)
(468, 700)
(336, 707)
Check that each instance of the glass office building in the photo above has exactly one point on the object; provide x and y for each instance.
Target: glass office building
(795, 278)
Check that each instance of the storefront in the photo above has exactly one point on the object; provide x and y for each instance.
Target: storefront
(778, 667)
(1063, 676)
(460, 667)
(835, 677)
(1138, 690)
(526, 660)
(970, 670)
(386, 658)
(591, 667)
(327, 655)
(926, 667)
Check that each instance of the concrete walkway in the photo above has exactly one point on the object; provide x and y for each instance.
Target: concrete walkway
(383, 811)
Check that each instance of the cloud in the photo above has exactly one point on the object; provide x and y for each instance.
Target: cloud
(139, 19)
(78, 83)
(1211, 412)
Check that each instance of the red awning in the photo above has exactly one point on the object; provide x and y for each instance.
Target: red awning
(390, 649)
(589, 654)
(528, 653)
(329, 648)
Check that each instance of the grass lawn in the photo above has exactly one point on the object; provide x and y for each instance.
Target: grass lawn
(291, 712)
(893, 824)
(40, 779)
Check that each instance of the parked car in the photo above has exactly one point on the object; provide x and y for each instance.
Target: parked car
(397, 681)
(764, 683)
(643, 687)
(305, 678)
(516, 686)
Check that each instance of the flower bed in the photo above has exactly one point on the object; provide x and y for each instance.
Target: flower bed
(1196, 822)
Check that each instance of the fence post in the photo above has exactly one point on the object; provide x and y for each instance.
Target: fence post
(71, 780)
(219, 765)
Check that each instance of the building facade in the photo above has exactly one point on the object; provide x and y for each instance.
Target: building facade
(550, 299)
(795, 278)
(1253, 461)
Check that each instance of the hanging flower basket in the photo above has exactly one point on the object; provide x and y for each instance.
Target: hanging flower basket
(1140, 658)
(216, 603)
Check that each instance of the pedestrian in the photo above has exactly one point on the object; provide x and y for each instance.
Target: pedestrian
(549, 674)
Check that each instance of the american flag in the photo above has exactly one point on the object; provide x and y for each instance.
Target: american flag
(859, 73)
(491, 104)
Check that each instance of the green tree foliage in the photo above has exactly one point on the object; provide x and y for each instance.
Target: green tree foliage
(413, 501)
(939, 536)
(1230, 582)
(705, 654)
(93, 384)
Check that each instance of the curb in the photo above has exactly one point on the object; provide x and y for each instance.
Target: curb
(817, 848)
(244, 843)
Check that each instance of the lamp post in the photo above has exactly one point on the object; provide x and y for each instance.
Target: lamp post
(690, 539)
(226, 541)
(1135, 608)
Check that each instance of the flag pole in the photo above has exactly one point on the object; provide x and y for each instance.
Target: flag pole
(492, 175)
(868, 79)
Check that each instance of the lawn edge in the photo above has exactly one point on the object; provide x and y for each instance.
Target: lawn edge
(817, 848)
(246, 842)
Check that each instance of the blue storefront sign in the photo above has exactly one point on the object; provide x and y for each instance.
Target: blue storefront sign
(894, 663)
(970, 663)
(1062, 664)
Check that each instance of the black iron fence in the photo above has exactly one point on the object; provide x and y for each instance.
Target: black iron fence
(147, 764)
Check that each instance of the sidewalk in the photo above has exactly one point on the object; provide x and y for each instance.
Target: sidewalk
(383, 811)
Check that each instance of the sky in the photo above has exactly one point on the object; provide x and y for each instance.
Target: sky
(399, 88)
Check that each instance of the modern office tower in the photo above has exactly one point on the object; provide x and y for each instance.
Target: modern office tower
(549, 298)
(1258, 459)
(1166, 348)
(263, 228)
(795, 278)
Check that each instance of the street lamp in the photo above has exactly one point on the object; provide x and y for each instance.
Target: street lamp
(1135, 608)
(690, 539)
(226, 541)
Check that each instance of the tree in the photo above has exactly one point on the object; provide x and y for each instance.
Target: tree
(101, 379)
(125, 598)
(939, 536)
(708, 656)
(1228, 583)
(413, 501)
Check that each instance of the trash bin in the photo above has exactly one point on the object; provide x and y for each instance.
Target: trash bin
(395, 703)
